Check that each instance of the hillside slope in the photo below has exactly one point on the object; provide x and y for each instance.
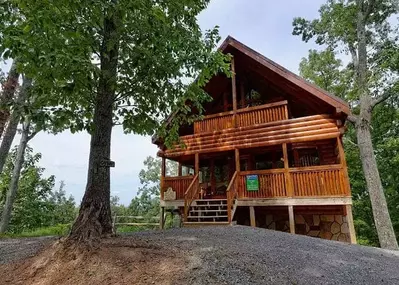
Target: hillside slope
(223, 255)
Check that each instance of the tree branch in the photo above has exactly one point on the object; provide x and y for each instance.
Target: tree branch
(383, 98)
(32, 135)
(352, 118)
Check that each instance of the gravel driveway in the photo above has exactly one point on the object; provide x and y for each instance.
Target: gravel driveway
(245, 255)
(14, 249)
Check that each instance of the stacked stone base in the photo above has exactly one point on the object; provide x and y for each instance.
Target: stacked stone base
(331, 227)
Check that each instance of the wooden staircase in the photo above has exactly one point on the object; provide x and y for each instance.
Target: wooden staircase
(208, 212)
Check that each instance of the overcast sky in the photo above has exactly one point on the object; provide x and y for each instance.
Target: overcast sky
(264, 25)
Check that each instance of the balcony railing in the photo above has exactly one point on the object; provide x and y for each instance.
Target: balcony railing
(243, 117)
(315, 181)
(179, 184)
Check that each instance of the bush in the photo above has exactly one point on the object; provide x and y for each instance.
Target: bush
(57, 230)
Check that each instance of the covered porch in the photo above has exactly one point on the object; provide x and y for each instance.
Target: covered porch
(297, 170)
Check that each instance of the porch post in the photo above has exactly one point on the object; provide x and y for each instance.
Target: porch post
(237, 157)
(234, 91)
(291, 218)
(252, 216)
(287, 176)
(163, 173)
(233, 85)
(351, 225)
(180, 169)
(162, 218)
(196, 167)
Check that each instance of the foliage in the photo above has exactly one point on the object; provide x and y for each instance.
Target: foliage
(328, 72)
(146, 203)
(36, 205)
(56, 230)
(161, 49)
(336, 29)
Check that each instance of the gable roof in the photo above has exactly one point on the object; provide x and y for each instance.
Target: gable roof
(230, 43)
(336, 102)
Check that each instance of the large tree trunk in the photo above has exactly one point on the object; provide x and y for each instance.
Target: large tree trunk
(94, 220)
(6, 97)
(386, 234)
(15, 118)
(13, 188)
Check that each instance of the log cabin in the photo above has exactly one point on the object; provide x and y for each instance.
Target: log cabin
(267, 153)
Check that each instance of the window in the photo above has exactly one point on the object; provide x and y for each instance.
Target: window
(308, 157)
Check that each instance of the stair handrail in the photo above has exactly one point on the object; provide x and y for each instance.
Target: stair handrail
(190, 195)
(231, 195)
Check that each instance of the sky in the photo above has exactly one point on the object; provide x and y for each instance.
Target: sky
(263, 25)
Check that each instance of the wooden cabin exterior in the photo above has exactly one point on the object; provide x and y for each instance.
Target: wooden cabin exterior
(268, 152)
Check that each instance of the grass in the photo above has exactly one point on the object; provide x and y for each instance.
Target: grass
(57, 230)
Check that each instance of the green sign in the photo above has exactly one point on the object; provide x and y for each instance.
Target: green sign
(252, 183)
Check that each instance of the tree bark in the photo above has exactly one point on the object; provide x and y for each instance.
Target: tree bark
(13, 188)
(386, 234)
(8, 93)
(15, 118)
(94, 220)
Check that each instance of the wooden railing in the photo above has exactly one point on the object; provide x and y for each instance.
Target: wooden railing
(262, 114)
(179, 184)
(231, 193)
(210, 123)
(243, 117)
(315, 181)
(190, 195)
(322, 181)
(271, 184)
(303, 129)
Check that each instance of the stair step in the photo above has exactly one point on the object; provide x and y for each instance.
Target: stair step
(208, 211)
(198, 224)
(210, 200)
(206, 217)
(210, 207)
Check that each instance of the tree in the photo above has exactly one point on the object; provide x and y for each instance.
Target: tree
(18, 111)
(32, 208)
(9, 87)
(63, 209)
(146, 203)
(362, 29)
(111, 62)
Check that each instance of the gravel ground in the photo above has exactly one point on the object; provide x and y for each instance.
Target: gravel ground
(14, 249)
(245, 255)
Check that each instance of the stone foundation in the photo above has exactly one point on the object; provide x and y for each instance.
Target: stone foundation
(331, 227)
(277, 222)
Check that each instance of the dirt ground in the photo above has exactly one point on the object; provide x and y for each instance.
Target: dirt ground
(117, 261)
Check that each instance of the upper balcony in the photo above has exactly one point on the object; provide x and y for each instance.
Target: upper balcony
(245, 117)
(259, 126)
